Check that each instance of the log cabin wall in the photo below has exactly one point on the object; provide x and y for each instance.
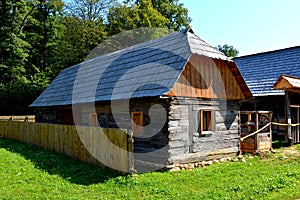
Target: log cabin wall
(155, 132)
(55, 115)
(154, 137)
(187, 144)
(207, 78)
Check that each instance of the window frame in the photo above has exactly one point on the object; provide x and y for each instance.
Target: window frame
(202, 128)
(140, 132)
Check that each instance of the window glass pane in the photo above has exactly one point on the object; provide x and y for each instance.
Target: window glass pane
(103, 119)
(206, 122)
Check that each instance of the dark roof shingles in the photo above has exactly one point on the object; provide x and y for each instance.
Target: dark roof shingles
(260, 71)
(144, 70)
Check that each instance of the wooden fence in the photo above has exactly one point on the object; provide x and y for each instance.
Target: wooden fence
(110, 147)
(22, 118)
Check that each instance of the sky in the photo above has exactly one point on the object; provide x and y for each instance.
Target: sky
(250, 26)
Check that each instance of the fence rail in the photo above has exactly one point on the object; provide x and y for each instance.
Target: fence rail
(110, 147)
(23, 118)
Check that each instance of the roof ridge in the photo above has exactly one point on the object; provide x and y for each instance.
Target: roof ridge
(267, 52)
(212, 52)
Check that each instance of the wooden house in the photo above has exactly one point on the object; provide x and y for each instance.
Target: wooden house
(178, 94)
(260, 72)
(291, 86)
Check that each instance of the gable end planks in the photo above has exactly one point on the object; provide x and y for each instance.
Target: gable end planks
(205, 77)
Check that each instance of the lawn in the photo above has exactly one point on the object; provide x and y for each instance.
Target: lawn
(28, 172)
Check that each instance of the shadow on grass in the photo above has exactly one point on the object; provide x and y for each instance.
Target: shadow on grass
(59, 164)
(278, 141)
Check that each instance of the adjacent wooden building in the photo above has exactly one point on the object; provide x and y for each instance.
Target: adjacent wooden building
(291, 86)
(178, 94)
(261, 71)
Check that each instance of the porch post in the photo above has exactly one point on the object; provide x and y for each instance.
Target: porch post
(288, 138)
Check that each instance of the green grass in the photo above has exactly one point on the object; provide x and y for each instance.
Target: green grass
(28, 172)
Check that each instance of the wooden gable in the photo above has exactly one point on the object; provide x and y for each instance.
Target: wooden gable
(205, 77)
(287, 83)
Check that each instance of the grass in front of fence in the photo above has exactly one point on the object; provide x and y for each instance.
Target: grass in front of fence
(28, 172)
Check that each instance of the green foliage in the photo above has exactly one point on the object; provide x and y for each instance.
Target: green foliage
(27, 40)
(79, 38)
(41, 31)
(175, 12)
(172, 10)
(92, 10)
(39, 38)
(128, 17)
(82, 28)
(13, 47)
(28, 172)
(229, 51)
(128, 38)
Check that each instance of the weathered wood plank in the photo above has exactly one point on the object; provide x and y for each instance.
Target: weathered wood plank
(109, 145)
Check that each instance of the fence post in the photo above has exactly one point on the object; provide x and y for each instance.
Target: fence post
(130, 152)
(1, 129)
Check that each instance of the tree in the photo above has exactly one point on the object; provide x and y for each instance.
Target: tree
(80, 37)
(132, 16)
(13, 47)
(174, 11)
(26, 39)
(91, 10)
(83, 29)
(229, 51)
(42, 31)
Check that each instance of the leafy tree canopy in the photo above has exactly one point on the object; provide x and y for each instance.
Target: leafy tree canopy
(228, 50)
(39, 38)
(174, 11)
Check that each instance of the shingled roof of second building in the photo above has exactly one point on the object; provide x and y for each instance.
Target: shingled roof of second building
(144, 70)
(261, 71)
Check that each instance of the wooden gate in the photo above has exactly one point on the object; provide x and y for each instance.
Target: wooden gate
(252, 121)
(110, 147)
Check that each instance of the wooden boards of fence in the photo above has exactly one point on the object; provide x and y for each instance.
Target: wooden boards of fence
(109, 147)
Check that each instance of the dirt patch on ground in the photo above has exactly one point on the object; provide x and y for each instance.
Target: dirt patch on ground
(284, 152)
(293, 151)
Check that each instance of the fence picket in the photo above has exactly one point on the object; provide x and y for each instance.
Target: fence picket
(88, 144)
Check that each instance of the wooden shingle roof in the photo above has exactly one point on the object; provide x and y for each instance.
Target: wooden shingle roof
(143, 70)
(261, 71)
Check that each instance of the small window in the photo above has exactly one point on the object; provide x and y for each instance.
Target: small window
(92, 119)
(137, 119)
(103, 119)
(207, 122)
(85, 119)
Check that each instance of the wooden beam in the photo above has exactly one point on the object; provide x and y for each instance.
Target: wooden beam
(249, 120)
(256, 142)
(288, 138)
(298, 128)
(295, 106)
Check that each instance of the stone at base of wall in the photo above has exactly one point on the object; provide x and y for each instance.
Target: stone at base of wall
(190, 166)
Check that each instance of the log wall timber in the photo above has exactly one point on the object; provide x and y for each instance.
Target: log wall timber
(155, 126)
(207, 78)
(187, 145)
